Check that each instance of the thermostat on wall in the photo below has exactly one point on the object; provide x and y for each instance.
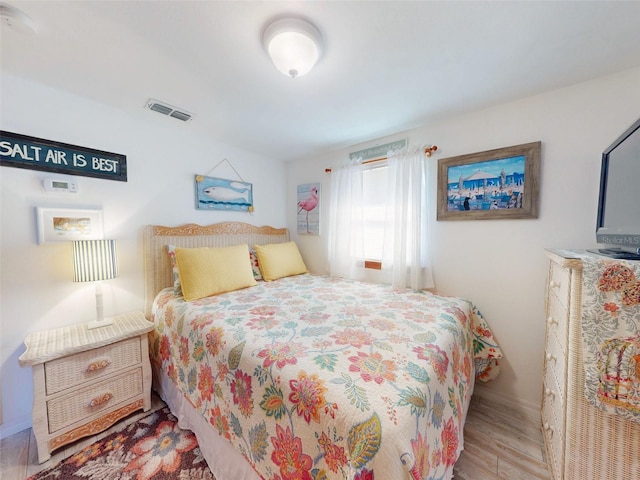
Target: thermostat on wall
(51, 185)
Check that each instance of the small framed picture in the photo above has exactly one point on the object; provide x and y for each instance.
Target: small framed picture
(308, 197)
(56, 225)
(496, 184)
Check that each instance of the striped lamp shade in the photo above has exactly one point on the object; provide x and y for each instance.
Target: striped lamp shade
(94, 260)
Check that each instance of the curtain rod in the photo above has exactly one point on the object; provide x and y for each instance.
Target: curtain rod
(427, 151)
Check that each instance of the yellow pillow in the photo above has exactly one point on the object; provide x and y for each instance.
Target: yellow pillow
(279, 260)
(208, 271)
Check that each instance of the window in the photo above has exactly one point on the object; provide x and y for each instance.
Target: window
(378, 213)
(374, 188)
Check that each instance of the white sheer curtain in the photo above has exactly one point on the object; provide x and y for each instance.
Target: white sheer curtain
(346, 237)
(405, 251)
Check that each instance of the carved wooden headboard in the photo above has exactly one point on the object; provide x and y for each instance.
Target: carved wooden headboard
(157, 266)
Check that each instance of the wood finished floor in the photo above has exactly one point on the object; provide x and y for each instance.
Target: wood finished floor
(500, 443)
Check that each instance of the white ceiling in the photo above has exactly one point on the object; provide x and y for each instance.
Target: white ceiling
(388, 66)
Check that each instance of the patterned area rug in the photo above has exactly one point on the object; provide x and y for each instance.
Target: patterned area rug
(153, 447)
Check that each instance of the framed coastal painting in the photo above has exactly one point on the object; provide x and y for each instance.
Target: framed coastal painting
(495, 184)
(220, 194)
(308, 219)
(56, 225)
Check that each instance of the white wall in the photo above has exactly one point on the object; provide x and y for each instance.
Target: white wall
(163, 156)
(500, 264)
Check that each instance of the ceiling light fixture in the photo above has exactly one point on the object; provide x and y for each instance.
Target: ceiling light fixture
(16, 20)
(293, 44)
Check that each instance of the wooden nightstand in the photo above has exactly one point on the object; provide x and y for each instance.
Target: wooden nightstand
(86, 380)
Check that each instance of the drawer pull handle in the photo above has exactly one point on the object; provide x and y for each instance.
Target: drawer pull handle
(100, 399)
(98, 365)
(554, 284)
(552, 321)
(551, 357)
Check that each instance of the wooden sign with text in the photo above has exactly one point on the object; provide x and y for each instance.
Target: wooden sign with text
(23, 151)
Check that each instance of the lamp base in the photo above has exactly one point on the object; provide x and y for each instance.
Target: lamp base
(98, 324)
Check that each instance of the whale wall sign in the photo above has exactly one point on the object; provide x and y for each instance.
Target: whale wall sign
(221, 194)
(23, 151)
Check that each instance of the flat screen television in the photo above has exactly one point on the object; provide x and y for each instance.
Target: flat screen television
(618, 224)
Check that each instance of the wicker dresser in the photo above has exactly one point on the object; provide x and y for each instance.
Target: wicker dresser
(86, 380)
(582, 442)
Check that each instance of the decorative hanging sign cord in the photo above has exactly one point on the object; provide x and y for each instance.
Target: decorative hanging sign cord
(228, 163)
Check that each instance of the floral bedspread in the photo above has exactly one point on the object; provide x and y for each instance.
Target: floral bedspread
(611, 334)
(321, 378)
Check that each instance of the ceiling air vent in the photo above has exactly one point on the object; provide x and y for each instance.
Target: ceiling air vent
(166, 109)
(180, 115)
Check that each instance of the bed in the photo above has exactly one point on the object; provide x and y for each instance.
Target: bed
(311, 377)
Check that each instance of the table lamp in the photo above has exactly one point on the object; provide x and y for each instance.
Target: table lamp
(95, 261)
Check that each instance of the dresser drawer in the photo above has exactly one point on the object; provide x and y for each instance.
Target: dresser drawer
(554, 373)
(559, 283)
(92, 399)
(86, 366)
(554, 394)
(557, 319)
(552, 429)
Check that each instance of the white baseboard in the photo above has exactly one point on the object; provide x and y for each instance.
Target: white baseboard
(10, 428)
(500, 399)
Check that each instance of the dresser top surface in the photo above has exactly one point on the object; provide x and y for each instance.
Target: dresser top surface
(567, 258)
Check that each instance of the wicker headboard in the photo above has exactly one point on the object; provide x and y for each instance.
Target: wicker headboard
(157, 266)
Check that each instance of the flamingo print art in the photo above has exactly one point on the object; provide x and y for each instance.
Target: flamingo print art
(309, 204)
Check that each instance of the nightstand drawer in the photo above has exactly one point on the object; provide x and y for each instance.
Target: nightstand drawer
(93, 399)
(87, 366)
